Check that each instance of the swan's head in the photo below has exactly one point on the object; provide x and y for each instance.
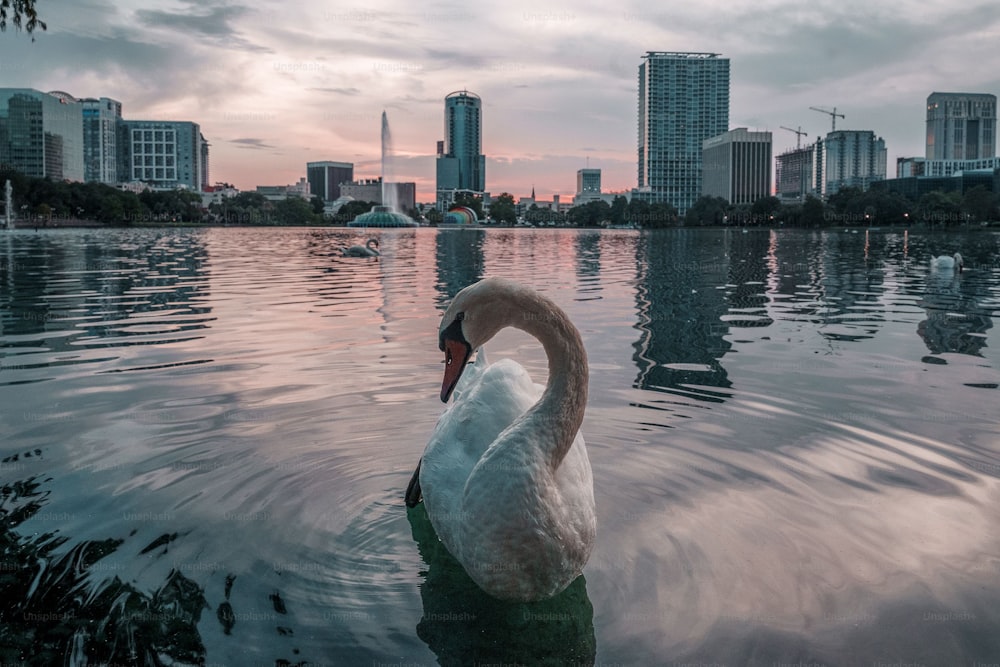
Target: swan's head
(372, 242)
(959, 263)
(475, 315)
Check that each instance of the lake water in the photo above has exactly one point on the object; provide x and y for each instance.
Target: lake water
(206, 435)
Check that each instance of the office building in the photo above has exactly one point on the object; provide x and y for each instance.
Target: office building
(915, 187)
(736, 166)
(370, 189)
(100, 139)
(961, 126)
(41, 134)
(588, 188)
(163, 154)
(588, 181)
(849, 158)
(683, 100)
(282, 192)
(916, 166)
(461, 164)
(325, 178)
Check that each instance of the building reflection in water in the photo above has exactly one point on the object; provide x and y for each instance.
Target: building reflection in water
(588, 255)
(93, 290)
(459, 261)
(681, 332)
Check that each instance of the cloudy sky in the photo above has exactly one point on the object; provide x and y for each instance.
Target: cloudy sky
(276, 84)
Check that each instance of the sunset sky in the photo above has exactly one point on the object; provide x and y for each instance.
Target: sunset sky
(276, 84)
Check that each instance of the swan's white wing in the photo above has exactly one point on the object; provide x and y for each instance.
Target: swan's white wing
(491, 400)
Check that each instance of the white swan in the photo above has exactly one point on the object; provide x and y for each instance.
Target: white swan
(946, 263)
(505, 478)
(362, 251)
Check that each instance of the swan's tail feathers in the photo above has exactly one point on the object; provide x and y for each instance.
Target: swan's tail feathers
(413, 495)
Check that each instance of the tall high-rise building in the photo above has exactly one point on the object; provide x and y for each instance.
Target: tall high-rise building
(961, 126)
(325, 178)
(42, 133)
(162, 153)
(100, 139)
(736, 166)
(461, 164)
(794, 173)
(683, 100)
(850, 158)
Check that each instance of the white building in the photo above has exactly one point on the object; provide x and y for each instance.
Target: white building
(215, 194)
(164, 154)
(280, 192)
(736, 166)
(916, 166)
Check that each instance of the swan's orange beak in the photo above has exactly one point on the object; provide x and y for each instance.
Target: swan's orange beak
(456, 355)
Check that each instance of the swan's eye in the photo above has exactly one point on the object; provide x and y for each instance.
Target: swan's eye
(447, 358)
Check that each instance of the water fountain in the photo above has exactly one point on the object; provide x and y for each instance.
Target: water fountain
(385, 215)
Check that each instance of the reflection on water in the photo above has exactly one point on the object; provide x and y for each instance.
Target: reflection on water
(464, 626)
(58, 609)
(682, 327)
(955, 320)
(205, 436)
(459, 260)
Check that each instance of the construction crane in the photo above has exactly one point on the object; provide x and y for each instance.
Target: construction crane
(833, 115)
(798, 135)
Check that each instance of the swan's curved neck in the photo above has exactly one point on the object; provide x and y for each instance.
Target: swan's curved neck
(559, 412)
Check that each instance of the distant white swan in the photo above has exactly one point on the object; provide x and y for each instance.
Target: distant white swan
(946, 263)
(362, 251)
(505, 478)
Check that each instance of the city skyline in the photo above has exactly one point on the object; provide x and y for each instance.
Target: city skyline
(276, 86)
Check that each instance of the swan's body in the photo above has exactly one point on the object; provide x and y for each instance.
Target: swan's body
(362, 251)
(946, 263)
(505, 478)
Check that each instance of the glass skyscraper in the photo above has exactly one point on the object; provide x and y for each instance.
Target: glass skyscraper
(460, 162)
(100, 139)
(850, 158)
(42, 133)
(683, 100)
